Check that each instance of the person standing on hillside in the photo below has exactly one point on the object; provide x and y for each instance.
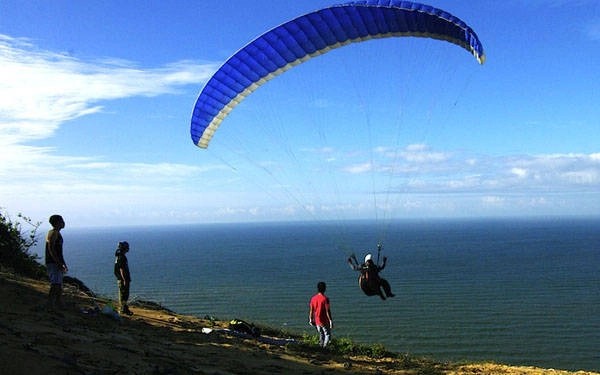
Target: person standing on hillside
(320, 314)
(55, 262)
(121, 271)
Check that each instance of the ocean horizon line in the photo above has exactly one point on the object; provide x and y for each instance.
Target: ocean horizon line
(432, 219)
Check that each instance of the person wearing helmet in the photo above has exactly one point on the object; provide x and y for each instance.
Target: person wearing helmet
(121, 271)
(369, 280)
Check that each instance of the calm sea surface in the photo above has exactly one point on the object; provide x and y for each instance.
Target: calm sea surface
(521, 292)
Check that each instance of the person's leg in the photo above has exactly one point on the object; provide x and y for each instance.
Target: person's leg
(387, 288)
(125, 306)
(371, 288)
(52, 297)
(321, 332)
(59, 296)
(55, 293)
(122, 296)
(327, 336)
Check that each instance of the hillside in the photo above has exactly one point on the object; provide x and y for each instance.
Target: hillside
(157, 341)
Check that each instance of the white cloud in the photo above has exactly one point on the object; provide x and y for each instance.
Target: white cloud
(42, 89)
(457, 172)
(558, 171)
(493, 200)
(359, 168)
(519, 172)
(421, 153)
(419, 169)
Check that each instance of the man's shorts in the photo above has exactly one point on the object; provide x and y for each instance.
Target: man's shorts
(55, 273)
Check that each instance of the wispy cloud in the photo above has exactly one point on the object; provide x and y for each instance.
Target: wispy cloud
(42, 89)
(459, 172)
(420, 169)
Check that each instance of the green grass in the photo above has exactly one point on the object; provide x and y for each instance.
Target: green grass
(346, 347)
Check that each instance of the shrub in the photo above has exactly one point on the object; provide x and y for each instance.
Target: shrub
(346, 346)
(15, 244)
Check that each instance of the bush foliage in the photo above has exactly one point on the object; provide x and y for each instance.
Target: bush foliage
(15, 246)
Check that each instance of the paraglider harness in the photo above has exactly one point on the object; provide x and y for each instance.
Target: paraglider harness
(368, 281)
(242, 326)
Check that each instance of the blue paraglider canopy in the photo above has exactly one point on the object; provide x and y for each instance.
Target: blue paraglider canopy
(313, 34)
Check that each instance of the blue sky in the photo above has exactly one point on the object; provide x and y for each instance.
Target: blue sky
(97, 98)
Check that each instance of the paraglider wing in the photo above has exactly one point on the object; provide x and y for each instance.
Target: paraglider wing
(313, 34)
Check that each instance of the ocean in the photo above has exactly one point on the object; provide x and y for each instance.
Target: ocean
(515, 291)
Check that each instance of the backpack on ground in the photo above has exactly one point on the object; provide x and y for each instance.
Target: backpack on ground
(241, 326)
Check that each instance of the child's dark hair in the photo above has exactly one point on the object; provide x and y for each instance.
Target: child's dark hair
(55, 219)
(321, 287)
